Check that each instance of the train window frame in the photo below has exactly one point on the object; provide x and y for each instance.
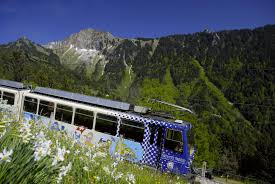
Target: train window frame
(160, 136)
(60, 110)
(85, 115)
(13, 97)
(133, 127)
(34, 112)
(156, 129)
(41, 101)
(153, 130)
(171, 143)
(113, 123)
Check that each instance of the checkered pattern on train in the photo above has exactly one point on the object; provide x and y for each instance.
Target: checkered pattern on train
(151, 152)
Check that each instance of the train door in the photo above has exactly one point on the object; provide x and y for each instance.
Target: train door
(175, 155)
(152, 145)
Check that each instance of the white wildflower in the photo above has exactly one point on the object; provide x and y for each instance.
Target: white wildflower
(85, 168)
(130, 178)
(59, 157)
(106, 169)
(42, 146)
(42, 150)
(25, 132)
(101, 154)
(77, 152)
(93, 157)
(41, 135)
(63, 172)
(114, 164)
(118, 176)
(3, 133)
(118, 157)
(88, 154)
(6, 155)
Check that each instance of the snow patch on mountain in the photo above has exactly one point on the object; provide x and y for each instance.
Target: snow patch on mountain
(87, 54)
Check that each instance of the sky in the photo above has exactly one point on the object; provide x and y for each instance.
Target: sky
(51, 20)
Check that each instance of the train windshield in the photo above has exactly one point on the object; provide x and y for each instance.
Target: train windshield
(174, 141)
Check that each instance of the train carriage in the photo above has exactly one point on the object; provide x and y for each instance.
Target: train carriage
(151, 141)
(12, 93)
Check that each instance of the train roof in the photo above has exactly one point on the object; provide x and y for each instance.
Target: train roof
(176, 123)
(12, 84)
(122, 106)
(83, 98)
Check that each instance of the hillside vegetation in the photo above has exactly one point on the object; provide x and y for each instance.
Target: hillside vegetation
(226, 78)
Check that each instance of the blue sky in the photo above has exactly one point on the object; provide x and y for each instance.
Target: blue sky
(49, 20)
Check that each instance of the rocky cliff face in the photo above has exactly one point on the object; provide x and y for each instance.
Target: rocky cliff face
(88, 39)
(86, 52)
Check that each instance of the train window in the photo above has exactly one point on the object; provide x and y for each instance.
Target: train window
(106, 124)
(30, 105)
(84, 118)
(132, 130)
(9, 97)
(0, 95)
(64, 113)
(173, 140)
(45, 108)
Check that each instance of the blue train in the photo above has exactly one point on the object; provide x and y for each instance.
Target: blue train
(145, 139)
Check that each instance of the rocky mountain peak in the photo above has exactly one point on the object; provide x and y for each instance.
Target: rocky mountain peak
(94, 32)
(23, 40)
(35, 50)
(22, 43)
(87, 39)
(92, 39)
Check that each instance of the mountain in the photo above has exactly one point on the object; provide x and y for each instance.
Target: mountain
(85, 51)
(100, 57)
(24, 60)
(225, 77)
(37, 51)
